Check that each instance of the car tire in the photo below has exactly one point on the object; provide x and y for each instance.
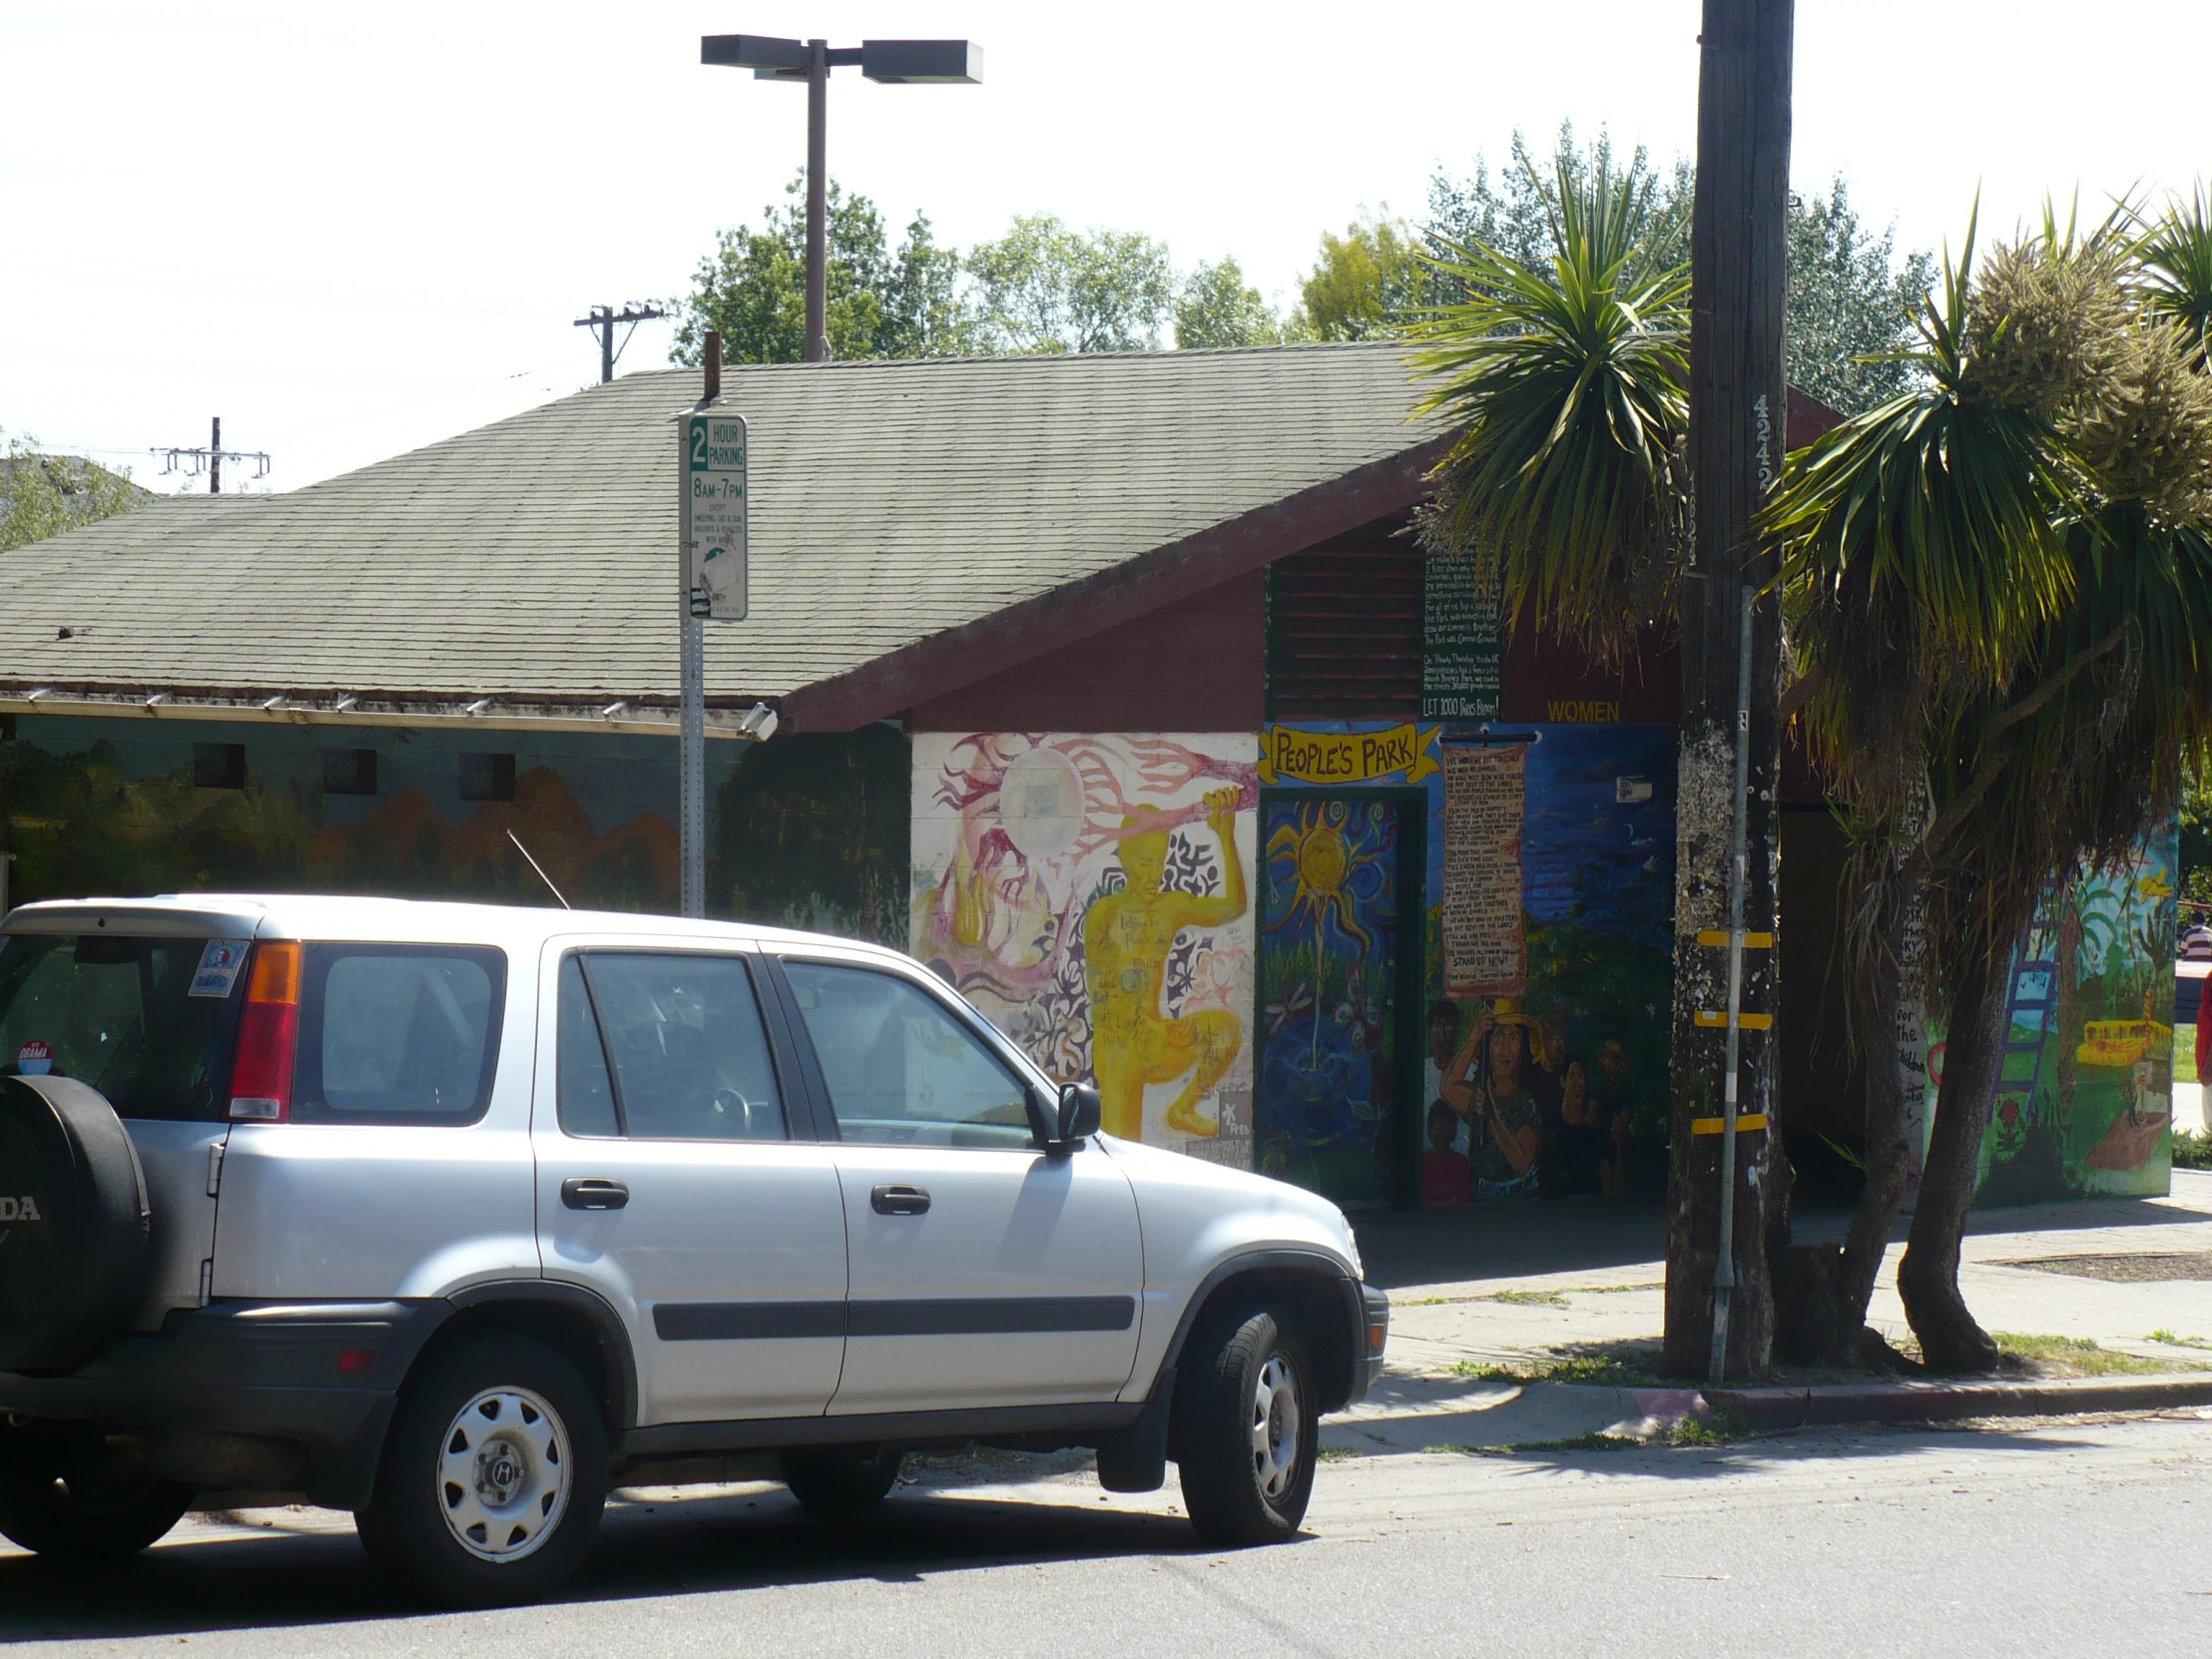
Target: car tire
(72, 1498)
(1247, 1431)
(841, 1480)
(493, 1476)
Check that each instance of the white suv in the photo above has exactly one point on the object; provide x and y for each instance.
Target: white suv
(452, 1215)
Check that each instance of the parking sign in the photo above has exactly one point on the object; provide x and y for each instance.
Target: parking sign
(713, 515)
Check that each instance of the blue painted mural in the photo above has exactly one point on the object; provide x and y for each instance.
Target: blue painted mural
(1552, 1084)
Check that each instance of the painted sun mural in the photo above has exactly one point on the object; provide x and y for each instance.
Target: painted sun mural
(1091, 895)
(1327, 1070)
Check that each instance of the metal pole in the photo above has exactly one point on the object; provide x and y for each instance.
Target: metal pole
(818, 207)
(692, 768)
(1724, 1268)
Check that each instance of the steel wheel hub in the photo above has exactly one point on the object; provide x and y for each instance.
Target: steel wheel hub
(503, 1474)
(1275, 1427)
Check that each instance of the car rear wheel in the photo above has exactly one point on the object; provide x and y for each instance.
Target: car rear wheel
(493, 1476)
(1246, 1432)
(71, 1496)
(840, 1481)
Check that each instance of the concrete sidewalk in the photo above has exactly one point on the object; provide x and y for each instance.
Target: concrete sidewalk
(1520, 1289)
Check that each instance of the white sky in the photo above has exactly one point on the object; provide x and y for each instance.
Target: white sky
(353, 230)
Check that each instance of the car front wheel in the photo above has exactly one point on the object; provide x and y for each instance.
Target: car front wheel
(493, 1476)
(1246, 1432)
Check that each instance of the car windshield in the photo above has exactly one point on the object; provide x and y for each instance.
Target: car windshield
(140, 1021)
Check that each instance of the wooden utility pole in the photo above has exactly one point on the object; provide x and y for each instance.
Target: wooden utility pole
(1738, 414)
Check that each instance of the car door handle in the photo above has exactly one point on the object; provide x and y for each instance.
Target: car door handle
(590, 1193)
(899, 1201)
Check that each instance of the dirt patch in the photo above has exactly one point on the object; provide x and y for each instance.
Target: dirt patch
(2122, 1269)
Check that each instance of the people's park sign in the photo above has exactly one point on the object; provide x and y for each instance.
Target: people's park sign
(1288, 756)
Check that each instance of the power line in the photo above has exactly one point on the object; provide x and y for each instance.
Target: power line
(603, 319)
(211, 460)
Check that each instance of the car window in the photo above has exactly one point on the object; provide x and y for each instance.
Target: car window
(685, 1054)
(901, 1068)
(585, 1096)
(140, 1021)
(398, 1033)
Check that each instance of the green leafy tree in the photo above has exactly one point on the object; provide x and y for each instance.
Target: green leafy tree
(1850, 301)
(1851, 297)
(1217, 307)
(42, 495)
(1045, 288)
(1514, 214)
(1366, 284)
(879, 303)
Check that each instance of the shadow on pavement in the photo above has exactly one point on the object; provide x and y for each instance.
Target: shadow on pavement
(1526, 1238)
(1707, 1463)
(1516, 1240)
(757, 1539)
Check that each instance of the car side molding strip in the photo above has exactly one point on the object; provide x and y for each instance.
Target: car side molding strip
(717, 1322)
(726, 1322)
(990, 1315)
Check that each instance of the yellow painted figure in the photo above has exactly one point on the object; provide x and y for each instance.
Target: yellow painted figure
(1126, 939)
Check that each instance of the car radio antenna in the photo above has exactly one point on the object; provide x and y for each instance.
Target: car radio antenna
(540, 868)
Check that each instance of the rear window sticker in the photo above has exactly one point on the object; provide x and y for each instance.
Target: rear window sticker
(219, 967)
(34, 1059)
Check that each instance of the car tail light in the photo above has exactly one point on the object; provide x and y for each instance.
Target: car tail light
(268, 1035)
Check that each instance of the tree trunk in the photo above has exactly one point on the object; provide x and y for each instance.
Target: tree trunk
(1736, 442)
(1824, 1289)
(1927, 1278)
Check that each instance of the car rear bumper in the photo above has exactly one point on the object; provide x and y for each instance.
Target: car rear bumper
(278, 1396)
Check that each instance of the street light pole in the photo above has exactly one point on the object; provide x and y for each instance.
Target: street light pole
(891, 62)
(818, 201)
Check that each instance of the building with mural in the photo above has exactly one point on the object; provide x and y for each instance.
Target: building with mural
(1113, 687)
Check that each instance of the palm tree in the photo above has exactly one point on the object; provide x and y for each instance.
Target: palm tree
(1998, 587)
(1920, 558)
(1566, 386)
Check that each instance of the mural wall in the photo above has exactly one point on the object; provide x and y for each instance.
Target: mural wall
(1330, 1066)
(2085, 1102)
(130, 807)
(1092, 895)
(1549, 880)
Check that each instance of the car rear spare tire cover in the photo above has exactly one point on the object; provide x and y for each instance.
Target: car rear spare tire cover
(75, 1225)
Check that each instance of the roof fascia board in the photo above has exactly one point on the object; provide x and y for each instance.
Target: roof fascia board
(960, 657)
(96, 705)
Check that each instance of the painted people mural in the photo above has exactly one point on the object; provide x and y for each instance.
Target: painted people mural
(1090, 894)
(1545, 1047)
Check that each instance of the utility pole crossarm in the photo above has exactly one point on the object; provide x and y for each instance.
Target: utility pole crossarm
(602, 322)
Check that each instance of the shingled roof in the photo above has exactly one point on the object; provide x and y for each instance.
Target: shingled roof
(914, 526)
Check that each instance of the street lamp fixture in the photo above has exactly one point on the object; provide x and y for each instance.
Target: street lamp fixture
(893, 62)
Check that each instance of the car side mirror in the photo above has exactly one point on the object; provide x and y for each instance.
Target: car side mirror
(1079, 1113)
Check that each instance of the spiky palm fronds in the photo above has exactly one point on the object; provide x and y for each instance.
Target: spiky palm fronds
(1568, 394)
(2176, 254)
(1920, 549)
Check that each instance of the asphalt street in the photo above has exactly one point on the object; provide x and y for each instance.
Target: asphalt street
(2054, 1538)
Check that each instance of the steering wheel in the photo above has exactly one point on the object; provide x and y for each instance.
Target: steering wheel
(729, 1102)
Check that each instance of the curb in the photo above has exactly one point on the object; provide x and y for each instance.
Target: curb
(1786, 1408)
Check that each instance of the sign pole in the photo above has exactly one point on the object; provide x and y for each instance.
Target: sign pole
(691, 766)
(713, 586)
